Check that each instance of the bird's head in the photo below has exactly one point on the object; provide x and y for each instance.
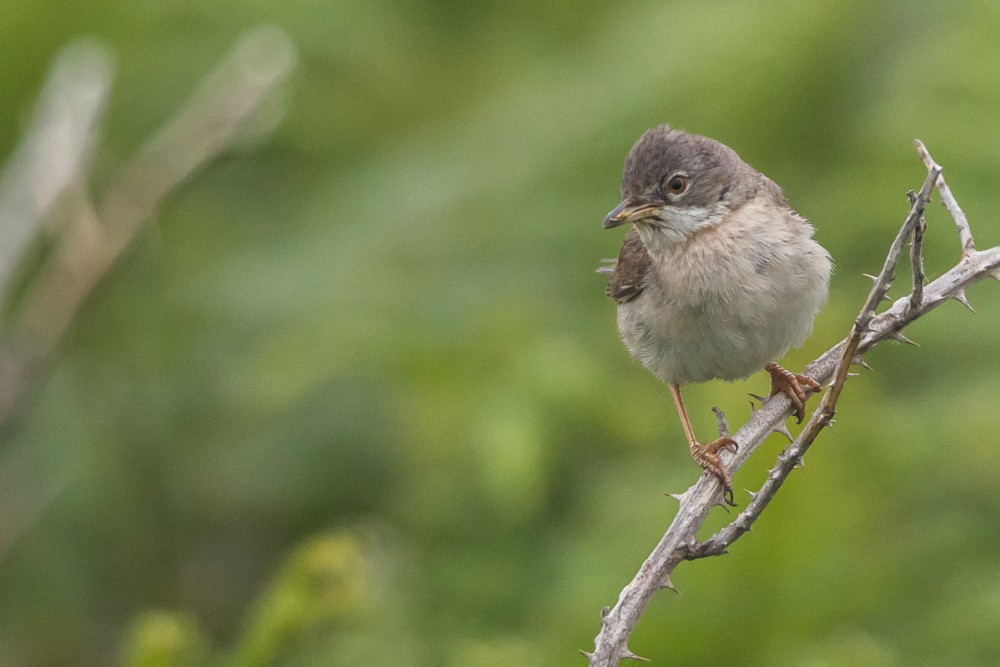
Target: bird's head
(681, 182)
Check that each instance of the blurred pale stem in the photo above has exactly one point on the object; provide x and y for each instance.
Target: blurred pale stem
(55, 152)
(50, 167)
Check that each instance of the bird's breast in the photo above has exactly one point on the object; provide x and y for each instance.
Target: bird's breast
(726, 300)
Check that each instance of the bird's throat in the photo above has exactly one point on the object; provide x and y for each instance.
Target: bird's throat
(678, 225)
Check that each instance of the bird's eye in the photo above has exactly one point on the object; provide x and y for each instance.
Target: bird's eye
(677, 184)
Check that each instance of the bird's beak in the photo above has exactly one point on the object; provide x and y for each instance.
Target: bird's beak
(629, 212)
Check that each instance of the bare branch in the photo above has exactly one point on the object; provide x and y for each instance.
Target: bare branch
(680, 542)
(720, 418)
(961, 223)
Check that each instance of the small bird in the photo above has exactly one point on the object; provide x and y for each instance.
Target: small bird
(717, 277)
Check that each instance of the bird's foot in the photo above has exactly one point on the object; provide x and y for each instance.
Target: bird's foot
(792, 385)
(707, 456)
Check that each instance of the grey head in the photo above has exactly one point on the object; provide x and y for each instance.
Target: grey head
(672, 176)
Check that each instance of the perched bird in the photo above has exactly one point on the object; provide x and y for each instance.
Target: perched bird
(717, 277)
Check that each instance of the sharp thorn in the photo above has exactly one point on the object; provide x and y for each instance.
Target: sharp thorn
(722, 503)
(758, 398)
(752, 494)
(870, 276)
(628, 655)
(852, 375)
(753, 408)
(586, 654)
(859, 361)
(669, 585)
(800, 463)
(782, 429)
(962, 299)
(679, 497)
(898, 336)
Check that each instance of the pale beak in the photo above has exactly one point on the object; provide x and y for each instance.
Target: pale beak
(628, 212)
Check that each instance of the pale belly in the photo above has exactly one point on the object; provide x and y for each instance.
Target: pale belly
(712, 323)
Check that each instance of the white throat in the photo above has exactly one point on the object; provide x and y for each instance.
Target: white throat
(680, 224)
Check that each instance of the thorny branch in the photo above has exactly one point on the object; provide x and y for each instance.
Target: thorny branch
(869, 329)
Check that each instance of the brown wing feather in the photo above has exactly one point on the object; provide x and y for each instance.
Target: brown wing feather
(629, 276)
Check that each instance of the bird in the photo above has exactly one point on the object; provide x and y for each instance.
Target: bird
(718, 276)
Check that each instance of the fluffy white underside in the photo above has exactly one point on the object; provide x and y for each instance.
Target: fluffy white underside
(722, 301)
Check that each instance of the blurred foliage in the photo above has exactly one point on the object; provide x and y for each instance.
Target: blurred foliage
(161, 639)
(323, 581)
(384, 323)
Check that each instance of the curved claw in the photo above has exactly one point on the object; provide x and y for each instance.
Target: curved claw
(707, 456)
(792, 385)
(725, 442)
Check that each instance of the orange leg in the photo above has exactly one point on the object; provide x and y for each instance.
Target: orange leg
(707, 456)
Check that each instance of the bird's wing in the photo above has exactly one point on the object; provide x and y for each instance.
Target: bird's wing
(628, 278)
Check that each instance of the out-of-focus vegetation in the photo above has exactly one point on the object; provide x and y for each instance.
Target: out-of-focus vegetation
(357, 398)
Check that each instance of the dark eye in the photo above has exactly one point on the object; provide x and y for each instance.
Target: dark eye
(677, 184)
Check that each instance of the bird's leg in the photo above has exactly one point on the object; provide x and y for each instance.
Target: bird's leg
(707, 456)
(793, 386)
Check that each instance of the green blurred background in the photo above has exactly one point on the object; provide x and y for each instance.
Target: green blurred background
(357, 398)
